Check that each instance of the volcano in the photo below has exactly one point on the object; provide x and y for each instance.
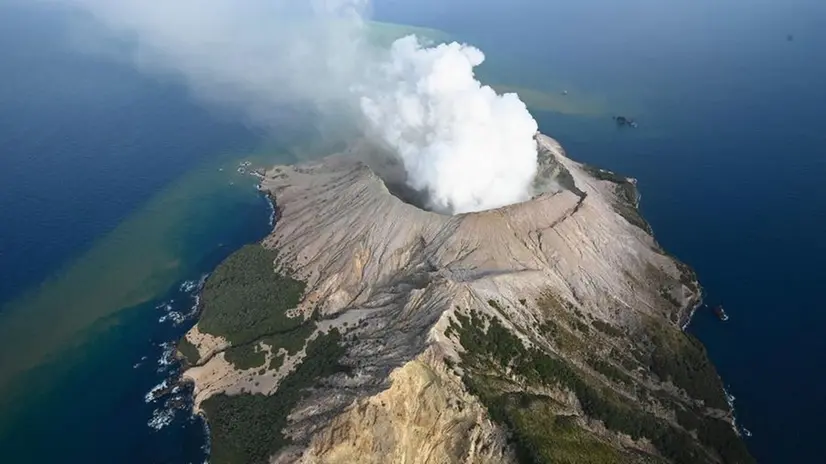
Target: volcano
(379, 332)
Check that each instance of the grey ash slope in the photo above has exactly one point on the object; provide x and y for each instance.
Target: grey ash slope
(546, 331)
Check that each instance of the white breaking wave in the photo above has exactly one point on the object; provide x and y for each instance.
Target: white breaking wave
(189, 286)
(174, 316)
(192, 290)
(271, 206)
(156, 392)
(161, 418)
(167, 357)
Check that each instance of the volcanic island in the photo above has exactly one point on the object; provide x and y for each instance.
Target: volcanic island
(366, 329)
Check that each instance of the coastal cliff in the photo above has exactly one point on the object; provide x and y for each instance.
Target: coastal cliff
(366, 329)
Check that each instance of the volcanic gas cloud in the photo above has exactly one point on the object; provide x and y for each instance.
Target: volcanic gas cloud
(462, 146)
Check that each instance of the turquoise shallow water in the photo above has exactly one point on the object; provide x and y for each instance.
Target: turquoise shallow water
(110, 192)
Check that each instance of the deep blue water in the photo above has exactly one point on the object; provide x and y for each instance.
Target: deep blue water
(100, 411)
(84, 142)
(730, 155)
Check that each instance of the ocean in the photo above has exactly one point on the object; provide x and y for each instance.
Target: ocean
(116, 188)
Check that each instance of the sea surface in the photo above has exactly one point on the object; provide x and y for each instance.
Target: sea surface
(119, 192)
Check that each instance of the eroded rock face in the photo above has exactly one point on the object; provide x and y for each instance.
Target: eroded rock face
(425, 416)
(573, 275)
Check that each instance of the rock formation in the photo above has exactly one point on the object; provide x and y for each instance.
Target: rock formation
(545, 331)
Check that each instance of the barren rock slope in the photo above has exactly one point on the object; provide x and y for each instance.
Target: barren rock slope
(546, 331)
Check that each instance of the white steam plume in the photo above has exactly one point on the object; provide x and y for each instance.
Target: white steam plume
(460, 143)
(255, 55)
(467, 147)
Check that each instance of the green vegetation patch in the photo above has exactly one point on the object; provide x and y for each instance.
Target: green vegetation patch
(292, 341)
(604, 174)
(716, 433)
(247, 428)
(682, 359)
(188, 351)
(550, 328)
(246, 356)
(627, 196)
(580, 326)
(564, 323)
(687, 275)
(497, 344)
(546, 435)
(666, 294)
(719, 435)
(565, 339)
(607, 328)
(496, 348)
(628, 363)
(495, 305)
(566, 181)
(245, 298)
(610, 371)
(554, 305)
(276, 362)
(629, 211)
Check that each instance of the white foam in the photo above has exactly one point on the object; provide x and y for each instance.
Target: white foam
(166, 305)
(272, 212)
(155, 392)
(174, 316)
(729, 398)
(167, 357)
(187, 286)
(161, 418)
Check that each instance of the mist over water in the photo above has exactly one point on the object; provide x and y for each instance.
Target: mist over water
(462, 145)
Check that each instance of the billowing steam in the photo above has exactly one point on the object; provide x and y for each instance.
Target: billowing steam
(462, 145)
(467, 147)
